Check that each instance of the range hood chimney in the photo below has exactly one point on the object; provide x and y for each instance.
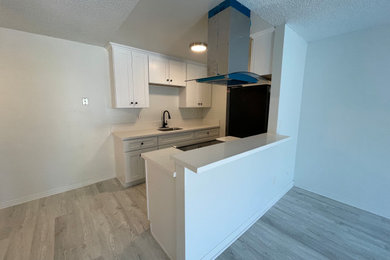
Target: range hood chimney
(228, 45)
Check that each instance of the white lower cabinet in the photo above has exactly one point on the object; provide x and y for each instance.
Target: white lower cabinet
(130, 166)
(135, 165)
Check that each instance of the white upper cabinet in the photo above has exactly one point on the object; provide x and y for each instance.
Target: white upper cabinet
(140, 79)
(177, 73)
(195, 94)
(129, 77)
(261, 52)
(158, 70)
(164, 71)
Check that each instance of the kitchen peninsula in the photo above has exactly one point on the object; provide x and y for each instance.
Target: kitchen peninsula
(200, 201)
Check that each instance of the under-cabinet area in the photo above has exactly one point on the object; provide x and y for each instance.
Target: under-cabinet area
(130, 166)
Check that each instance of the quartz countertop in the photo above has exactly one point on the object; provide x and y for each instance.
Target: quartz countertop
(227, 138)
(128, 135)
(164, 159)
(206, 158)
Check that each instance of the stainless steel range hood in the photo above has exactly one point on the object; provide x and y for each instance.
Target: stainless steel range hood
(228, 45)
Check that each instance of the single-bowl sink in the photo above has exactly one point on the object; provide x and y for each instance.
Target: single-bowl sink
(169, 128)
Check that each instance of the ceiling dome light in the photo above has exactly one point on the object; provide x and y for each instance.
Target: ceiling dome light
(198, 47)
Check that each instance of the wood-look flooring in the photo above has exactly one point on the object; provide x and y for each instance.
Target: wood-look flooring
(100, 221)
(106, 221)
(304, 225)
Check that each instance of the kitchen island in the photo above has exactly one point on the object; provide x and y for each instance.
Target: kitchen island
(201, 201)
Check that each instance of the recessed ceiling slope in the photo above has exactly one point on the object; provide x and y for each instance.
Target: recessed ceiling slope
(167, 26)
(88, 21)
(317, 19)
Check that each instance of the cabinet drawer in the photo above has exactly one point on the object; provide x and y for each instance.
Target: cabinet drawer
(137, 144)
(206, 133)
(174, 138)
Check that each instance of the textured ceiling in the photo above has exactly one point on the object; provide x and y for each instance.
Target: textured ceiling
(166, 26)
(169, 26)
(317, 19)
(90, 21)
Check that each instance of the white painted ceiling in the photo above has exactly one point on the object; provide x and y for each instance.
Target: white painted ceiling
(169, 26)
(166, 26)
(89, 21)
(317, 19)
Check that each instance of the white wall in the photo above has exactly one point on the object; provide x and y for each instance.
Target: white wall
(289, 60)
(250, 186)
(48, 140)
(217, 112)
(232, 197)
(344, 134)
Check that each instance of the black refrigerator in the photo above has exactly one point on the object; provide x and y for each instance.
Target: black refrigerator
(247, 110)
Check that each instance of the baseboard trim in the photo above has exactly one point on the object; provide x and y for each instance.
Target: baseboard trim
(53, 191)
(160, 244)
(331, 196)
(246, 225)
(133, 183)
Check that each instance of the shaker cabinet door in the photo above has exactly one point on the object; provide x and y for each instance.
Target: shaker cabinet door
(122, 76)
(195, 94)
(140, 79)
(177, 73)
(129, 77)
(158, 70)
(135, 165)
(205, 95)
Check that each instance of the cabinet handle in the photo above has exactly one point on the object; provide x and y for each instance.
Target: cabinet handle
(167, 79)
(142, 143)
(131, 103)
(136, 103)
(170, 80)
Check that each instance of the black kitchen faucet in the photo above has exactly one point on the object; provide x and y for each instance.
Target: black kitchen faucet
(164, 120)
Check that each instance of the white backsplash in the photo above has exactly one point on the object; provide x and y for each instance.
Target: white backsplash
(162, 98)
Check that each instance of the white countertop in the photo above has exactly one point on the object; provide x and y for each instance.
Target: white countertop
(127, 135)
(164, 159)
(205, 158)
(227, 138)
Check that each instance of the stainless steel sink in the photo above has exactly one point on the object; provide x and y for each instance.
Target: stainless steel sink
(169, 128)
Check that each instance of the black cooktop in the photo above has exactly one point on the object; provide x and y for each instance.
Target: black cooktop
(198, 145)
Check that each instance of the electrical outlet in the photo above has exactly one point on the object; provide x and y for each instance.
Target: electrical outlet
(85, 101)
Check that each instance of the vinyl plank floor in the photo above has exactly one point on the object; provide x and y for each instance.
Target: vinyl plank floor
(105, 221)
(304, 225)
(102, 221)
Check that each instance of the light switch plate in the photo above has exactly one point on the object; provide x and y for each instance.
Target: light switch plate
(85, 101)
